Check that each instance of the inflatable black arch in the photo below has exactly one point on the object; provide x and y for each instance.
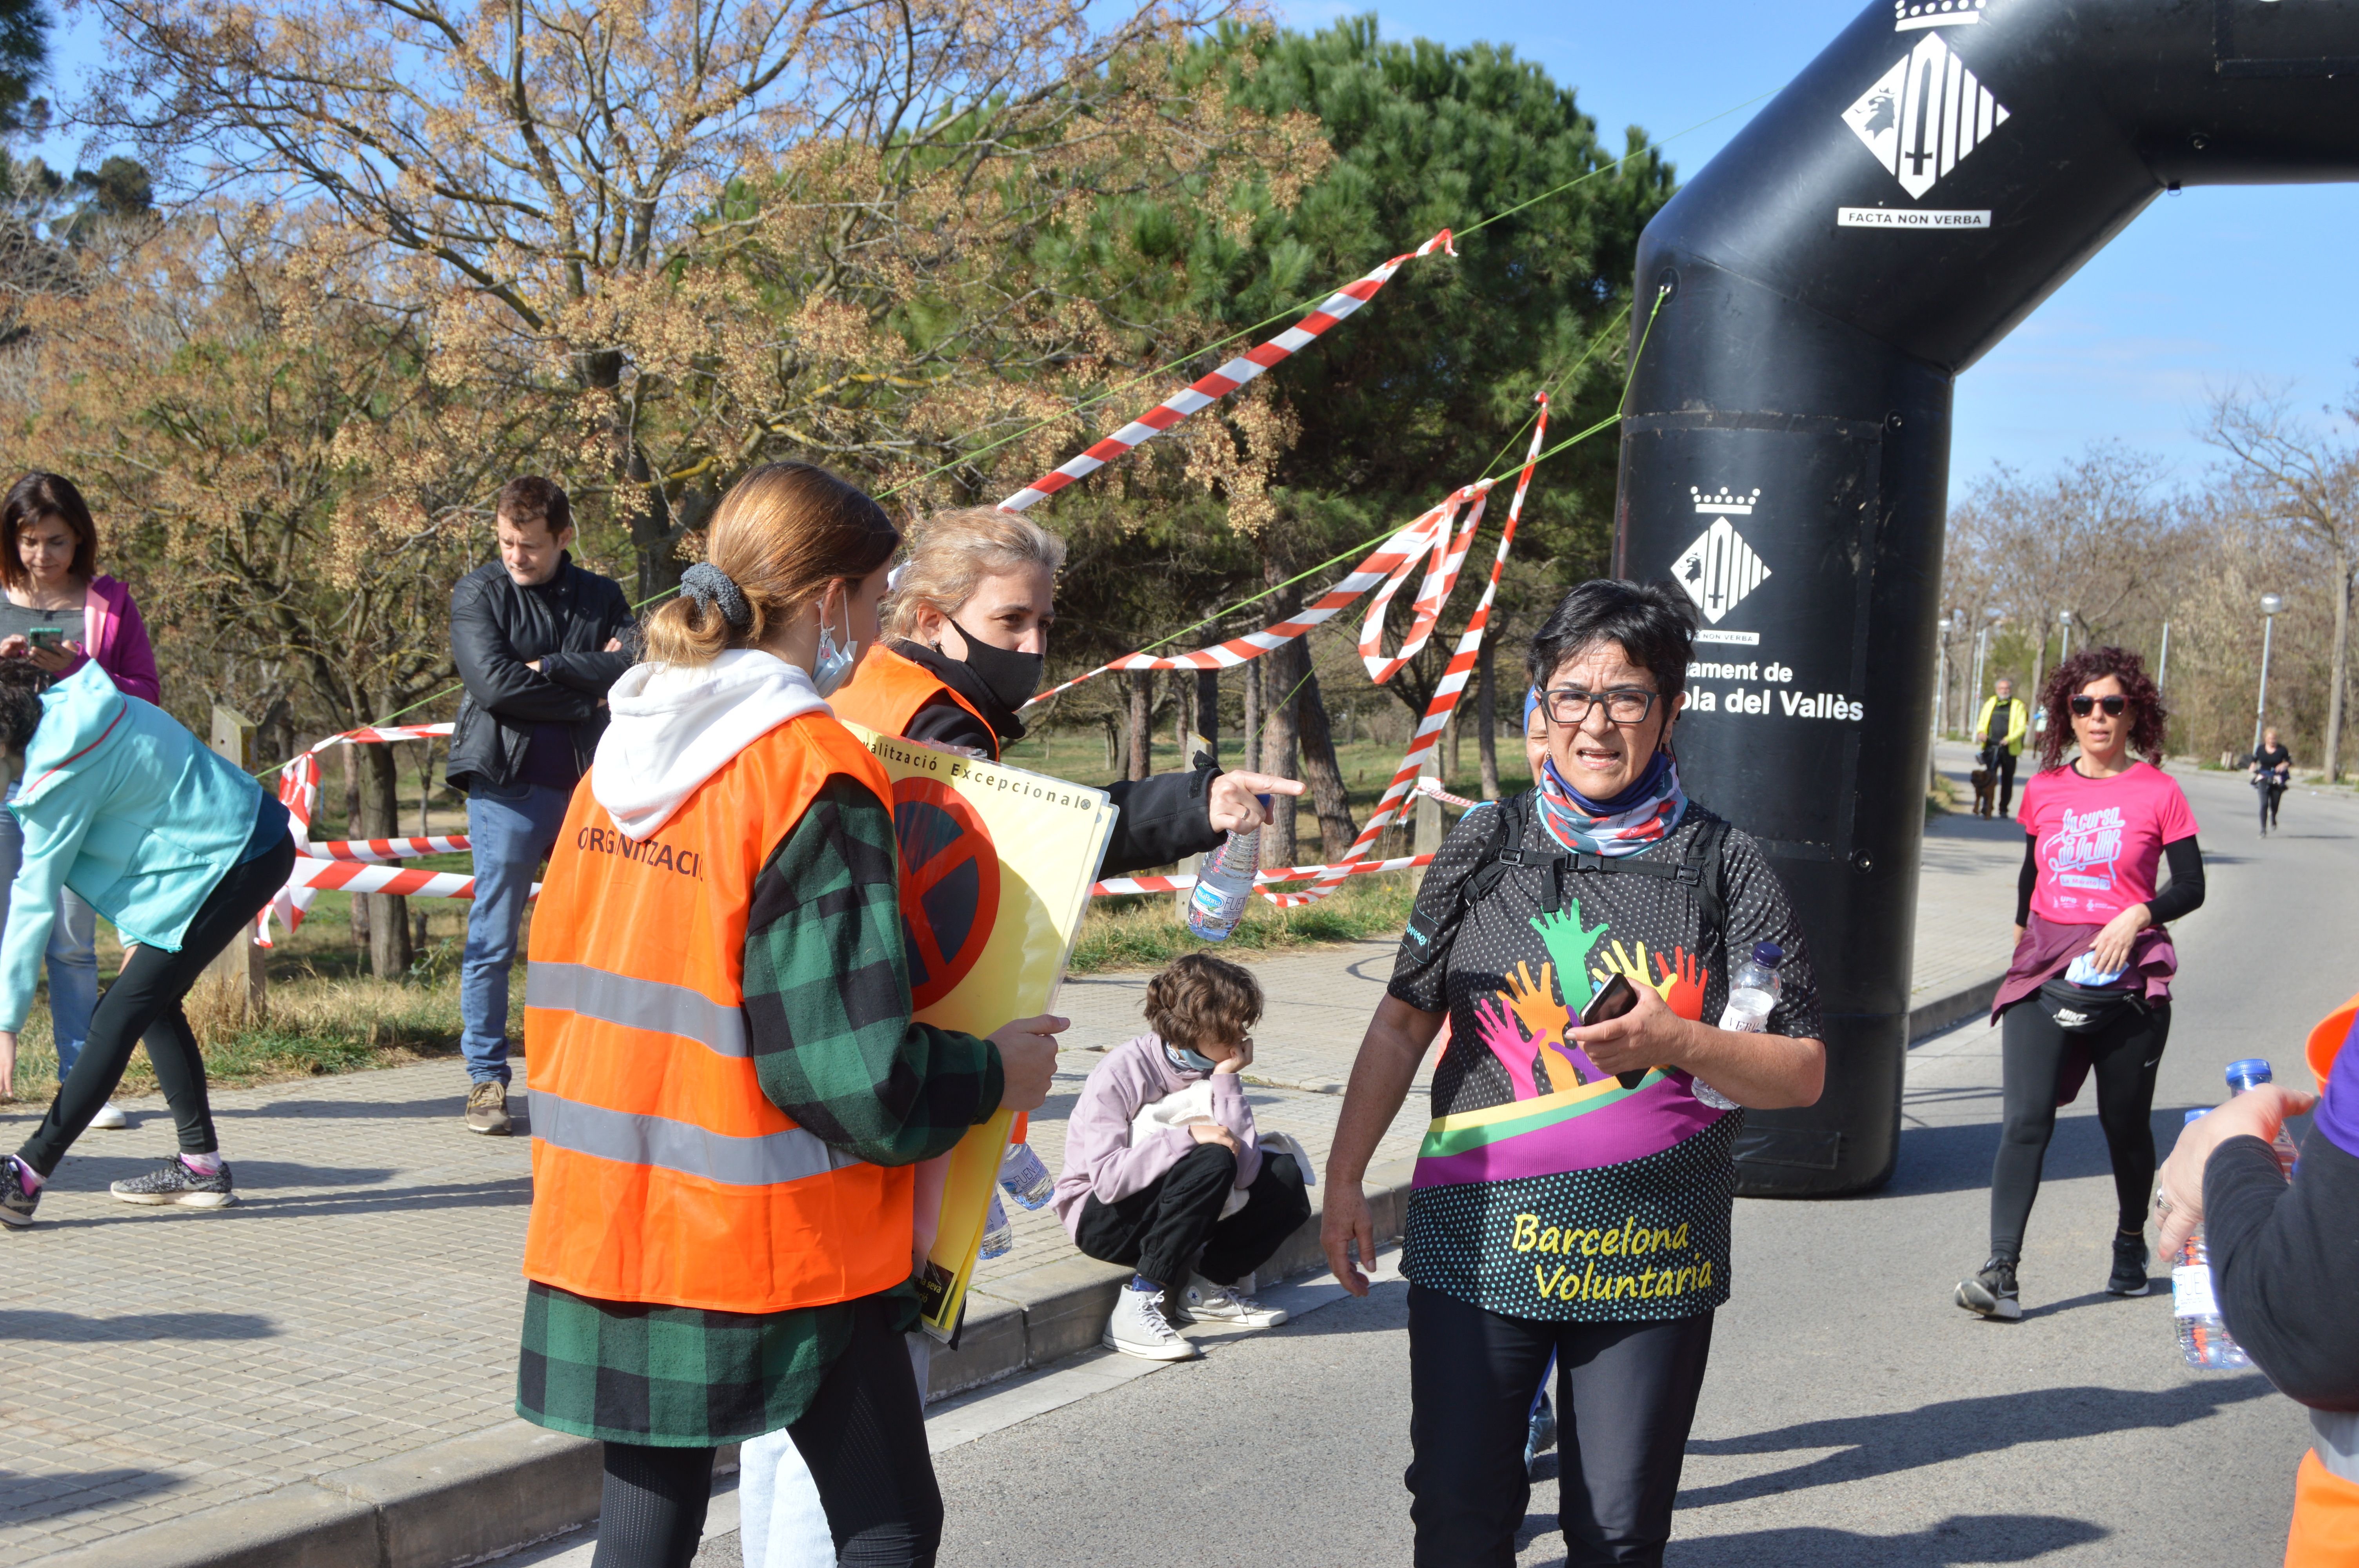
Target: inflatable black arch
(1931, 177)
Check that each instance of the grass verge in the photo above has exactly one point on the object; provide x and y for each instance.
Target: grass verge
(1148, 931)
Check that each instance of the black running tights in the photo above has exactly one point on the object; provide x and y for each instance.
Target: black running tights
(143, 1004)
(864, 1438)
(2123, 1058)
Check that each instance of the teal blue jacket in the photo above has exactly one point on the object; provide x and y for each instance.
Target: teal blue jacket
(121, 803)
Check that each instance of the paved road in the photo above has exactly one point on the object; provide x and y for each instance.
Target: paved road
(1853, 1415)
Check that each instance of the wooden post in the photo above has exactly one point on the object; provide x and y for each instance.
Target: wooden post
(238, 978)
(1428, 813)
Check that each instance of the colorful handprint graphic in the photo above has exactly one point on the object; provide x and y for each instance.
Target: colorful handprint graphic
(1500, 1033)
(1569, 942)
(1544, 1017)
(1618, 962)
(1682, 982)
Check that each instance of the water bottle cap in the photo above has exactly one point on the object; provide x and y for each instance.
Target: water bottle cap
(2250, 1073)
(1768, 955)
(2195, 1116)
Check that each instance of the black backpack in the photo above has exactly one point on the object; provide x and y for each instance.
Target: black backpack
(1701, 867)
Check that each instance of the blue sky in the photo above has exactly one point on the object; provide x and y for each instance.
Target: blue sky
(2207, 288)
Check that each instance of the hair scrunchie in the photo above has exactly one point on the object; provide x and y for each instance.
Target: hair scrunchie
(712, 590)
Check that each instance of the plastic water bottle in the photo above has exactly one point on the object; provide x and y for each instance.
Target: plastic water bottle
(1025, 1177)
(2251, 1074)
(2203, 1340)
(1752, 992)
(998, 1235)
(1223, 884)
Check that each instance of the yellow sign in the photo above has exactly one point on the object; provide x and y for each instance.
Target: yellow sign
(996, 865)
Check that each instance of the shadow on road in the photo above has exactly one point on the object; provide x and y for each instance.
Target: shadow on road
(1869, 1446)
(48, 1493)
(1959, 1539)
(73, 1328)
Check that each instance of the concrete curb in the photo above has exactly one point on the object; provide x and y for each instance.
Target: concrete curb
(492, 1492)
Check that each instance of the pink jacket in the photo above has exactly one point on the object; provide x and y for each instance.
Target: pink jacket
(118, 640)
(1102, 1161)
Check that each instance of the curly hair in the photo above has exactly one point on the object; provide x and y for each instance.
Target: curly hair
(21, 685)
(2148, 715)
(1200, 1000)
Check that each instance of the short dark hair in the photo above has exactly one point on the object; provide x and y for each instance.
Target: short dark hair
(534, 499)
(38, 495)
(21, 685)
(2148, 715)
(1654, 622)
(1199, 1001)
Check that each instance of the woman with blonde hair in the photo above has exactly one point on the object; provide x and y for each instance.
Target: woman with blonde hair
(967, 637)
(728, 1091)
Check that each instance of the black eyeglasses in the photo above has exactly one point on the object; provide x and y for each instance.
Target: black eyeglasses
(2084, 706)
(1570, 706)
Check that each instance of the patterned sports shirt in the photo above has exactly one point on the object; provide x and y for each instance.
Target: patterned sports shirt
(1544, 1189)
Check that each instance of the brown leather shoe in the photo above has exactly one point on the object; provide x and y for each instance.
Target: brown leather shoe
(487, 1109)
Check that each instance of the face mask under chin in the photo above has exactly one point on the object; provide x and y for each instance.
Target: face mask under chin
(1008, 675)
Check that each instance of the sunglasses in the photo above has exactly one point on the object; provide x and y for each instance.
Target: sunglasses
(2084, 706)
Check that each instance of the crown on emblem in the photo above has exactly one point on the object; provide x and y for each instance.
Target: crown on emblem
(1910, 14)
(1724, 500)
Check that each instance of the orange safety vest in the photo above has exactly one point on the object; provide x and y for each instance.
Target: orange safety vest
(885, 691)
(2325, 1532)
(660, 1171)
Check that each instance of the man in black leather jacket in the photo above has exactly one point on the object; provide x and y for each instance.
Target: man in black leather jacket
(538, 640)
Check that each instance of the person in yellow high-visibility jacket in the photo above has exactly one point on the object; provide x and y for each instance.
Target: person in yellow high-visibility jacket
(1999, 731)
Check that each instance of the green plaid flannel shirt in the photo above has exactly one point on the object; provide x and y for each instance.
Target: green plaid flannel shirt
(827, 995)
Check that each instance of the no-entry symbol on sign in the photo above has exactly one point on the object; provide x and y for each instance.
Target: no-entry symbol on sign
(949, 885)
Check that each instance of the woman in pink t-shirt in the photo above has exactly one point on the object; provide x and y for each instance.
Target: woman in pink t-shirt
(2090, 986)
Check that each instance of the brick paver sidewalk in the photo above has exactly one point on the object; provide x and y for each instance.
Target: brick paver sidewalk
(363, 1300)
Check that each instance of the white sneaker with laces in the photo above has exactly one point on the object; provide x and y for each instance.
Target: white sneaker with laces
(110, 1117)
(1204, 1301)
(1138, 1328)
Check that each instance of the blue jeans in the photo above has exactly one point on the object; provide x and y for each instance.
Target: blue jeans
(72, 953)
(512, 831)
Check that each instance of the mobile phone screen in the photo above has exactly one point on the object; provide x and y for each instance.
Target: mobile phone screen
(46, 638)
(1614, 999)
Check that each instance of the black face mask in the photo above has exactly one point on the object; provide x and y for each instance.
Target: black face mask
(1009, 676)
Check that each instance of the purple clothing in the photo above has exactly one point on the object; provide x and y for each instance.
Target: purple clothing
(118, 640)
(1102, 1161)
(2049, 947)
(2337, 1115)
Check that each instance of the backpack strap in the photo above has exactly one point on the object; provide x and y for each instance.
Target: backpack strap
(1701, 867)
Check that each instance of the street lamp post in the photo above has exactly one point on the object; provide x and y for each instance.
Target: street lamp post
(2270, 604)
(2064, 619)
(1948, 624)
(1992, 616)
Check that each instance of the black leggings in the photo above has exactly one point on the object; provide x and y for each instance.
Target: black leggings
(2124, 1056)
(1626, 1398)
(144, 1005)
(2271, 795)
(864, 1438)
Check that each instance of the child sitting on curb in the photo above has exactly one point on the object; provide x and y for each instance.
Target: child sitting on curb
(1162, 1162)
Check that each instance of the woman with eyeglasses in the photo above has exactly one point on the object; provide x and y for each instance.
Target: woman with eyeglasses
(2089, 989)
(1574, 1193)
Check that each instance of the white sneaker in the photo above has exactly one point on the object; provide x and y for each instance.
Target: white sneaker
(1138, 1328)
(110, 1117)
(1204, 1301)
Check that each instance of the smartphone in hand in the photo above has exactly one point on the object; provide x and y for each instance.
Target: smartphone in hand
(47, 639)
(1614, 998)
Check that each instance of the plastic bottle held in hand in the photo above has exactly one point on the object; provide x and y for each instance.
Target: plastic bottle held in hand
(1752, 992)
(2251, 1074)
(1223, 884)
(1025, 1177)
(2203, 1340)
(998, 1235)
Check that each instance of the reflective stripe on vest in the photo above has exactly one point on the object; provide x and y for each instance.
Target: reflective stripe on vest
(656, 1006)
(887, 690)
(680, 1146)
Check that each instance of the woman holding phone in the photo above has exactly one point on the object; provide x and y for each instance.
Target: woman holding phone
(1574, 1197)
(2089, 988)
(61, 613)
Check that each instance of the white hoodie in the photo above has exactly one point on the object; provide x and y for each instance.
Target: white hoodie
(675, 726)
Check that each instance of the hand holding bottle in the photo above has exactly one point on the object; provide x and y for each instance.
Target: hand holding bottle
(2178, 1197)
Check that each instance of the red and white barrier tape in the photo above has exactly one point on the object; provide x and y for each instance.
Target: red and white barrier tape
(1210, 388)
(1115, 886)
(1440, 533)
(1428, 784)
(299, 791)
(1446, 694)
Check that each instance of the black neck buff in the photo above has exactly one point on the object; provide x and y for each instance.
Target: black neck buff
(967, 681)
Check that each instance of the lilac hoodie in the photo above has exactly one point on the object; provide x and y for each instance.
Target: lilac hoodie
(1101, 1161)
